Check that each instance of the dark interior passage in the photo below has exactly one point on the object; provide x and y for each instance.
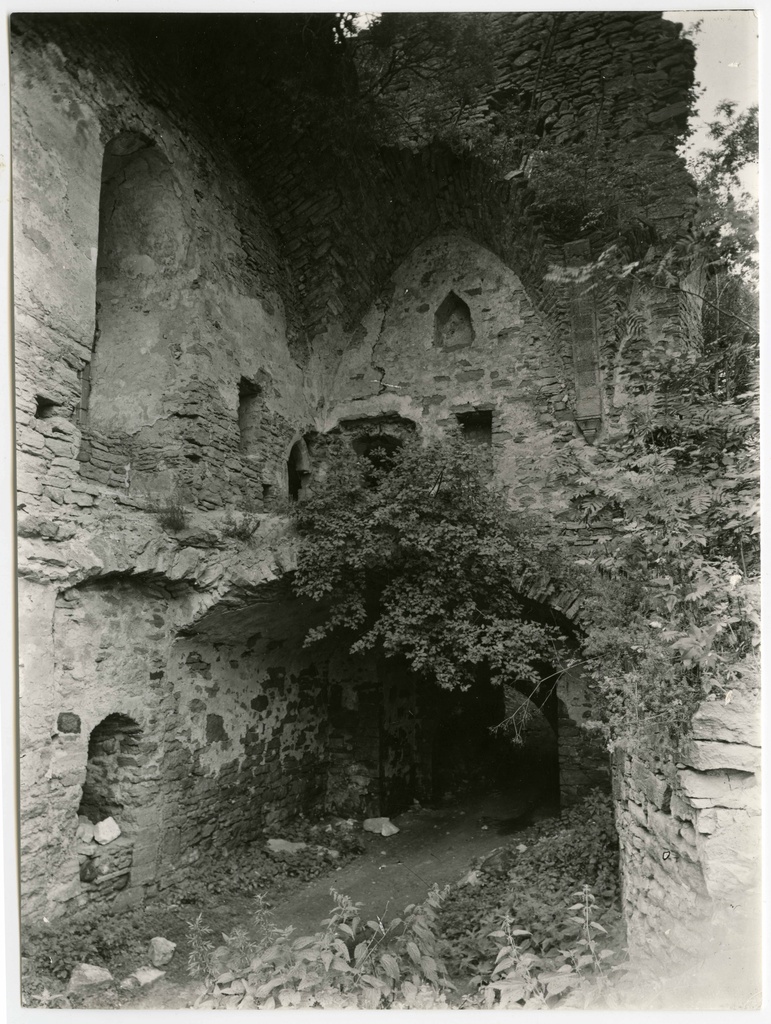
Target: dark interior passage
(493, 738)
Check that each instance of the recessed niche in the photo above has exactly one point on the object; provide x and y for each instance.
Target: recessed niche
(477, 426)
(250, 407)
(112, 785)
(299, 470)
(143, 231)
(452, 324)
(45, 408)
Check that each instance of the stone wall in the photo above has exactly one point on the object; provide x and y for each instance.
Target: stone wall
(629, 71)
(227, 739)
(690, 835)
(184, 314)
(135, 330)
(584, 761)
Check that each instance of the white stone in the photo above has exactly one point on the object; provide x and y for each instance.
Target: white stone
(735, 722)
(719, 789)
(285, 846)
(88, 976)
(380, 826)
(712, 755)
(106, 831)
(147, 975)
(161, 950)
(472, 878)
(85, 830)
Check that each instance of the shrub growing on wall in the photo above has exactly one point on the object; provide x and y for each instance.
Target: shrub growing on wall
(415, 556)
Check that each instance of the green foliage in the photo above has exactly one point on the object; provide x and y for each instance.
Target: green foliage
(672, 606)
(419, 73)
(736, 134)
(671, 611)
(522, 978)
(370, 964)
(577, 849)
(170, 513)
(240, 523)
(586, 183)
(89, 936)
(419, 558)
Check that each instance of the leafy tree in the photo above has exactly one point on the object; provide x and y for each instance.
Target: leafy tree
(672, 612)
(415, 556)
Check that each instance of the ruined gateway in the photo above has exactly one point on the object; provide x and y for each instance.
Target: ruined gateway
(195, 305)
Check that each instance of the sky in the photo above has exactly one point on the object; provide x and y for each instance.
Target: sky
(726, 67)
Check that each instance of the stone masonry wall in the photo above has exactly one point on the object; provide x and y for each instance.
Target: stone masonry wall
(629, 70)
(188, 305)
(158, 360)
(690, 834)
(229, 739)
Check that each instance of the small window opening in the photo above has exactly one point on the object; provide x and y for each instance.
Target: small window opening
(452, 324)
(477, 426)
(299, 470)
(45, 408)
(111, 771)
(249, 415)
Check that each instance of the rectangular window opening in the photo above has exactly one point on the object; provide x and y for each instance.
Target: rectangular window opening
(249, 415)
(477, 426)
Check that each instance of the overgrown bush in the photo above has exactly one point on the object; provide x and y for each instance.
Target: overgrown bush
(240, 523)
(351, 963)
(562, 855)
(418, 557)
(170, 513)
(94, 936)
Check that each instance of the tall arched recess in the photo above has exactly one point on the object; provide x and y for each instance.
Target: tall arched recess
(143, 241)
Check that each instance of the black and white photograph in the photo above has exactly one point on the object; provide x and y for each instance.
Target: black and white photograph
(386, 410)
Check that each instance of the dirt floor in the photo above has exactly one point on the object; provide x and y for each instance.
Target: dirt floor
(433, 846)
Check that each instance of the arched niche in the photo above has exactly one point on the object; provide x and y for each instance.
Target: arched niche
(142, 246)
(251, 407)
(299, 468)
(452, 323)
(113, 783)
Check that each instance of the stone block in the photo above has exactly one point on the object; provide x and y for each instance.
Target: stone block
(147, 975)
(711, 755)
(68, 890)
(681, 808)
(719, 788)
(106, 831)
(85, 830)
(735, 722)
(654, 787)
(161, 951)
(664, 827)
(380, 826)
(85, 976)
